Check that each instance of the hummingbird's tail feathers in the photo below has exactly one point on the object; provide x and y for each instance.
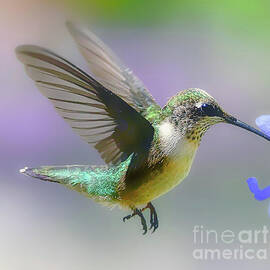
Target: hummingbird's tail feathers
(97, 182)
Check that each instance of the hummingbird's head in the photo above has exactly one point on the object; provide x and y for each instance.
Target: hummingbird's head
(193, 112)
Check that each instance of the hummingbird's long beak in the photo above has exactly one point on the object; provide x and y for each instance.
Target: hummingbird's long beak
(232, 120)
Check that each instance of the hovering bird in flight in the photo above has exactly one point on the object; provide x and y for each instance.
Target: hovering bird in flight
(148, 149)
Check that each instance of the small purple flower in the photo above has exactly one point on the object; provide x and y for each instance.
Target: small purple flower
(259, 194)
(263, 122)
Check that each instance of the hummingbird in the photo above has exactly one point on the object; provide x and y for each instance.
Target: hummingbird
(148, 149)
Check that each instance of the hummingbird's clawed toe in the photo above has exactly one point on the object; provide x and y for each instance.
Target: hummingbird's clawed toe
(128, 217)
(153, 221)
(153, 216)
(139, 213)
(143, 221)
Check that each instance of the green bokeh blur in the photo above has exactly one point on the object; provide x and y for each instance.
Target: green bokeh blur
(248, 17)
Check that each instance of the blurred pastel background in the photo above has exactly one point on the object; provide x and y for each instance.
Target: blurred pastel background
(220, 46)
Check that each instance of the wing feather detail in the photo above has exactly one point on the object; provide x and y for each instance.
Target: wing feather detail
(98, 115)
(110, 71)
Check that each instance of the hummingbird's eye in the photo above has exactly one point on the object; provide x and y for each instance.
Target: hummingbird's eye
(209, 109)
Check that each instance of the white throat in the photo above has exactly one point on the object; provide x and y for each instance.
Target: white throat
(172, 141)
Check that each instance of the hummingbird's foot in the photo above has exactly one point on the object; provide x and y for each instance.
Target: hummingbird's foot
(139, 213)
(153, 216)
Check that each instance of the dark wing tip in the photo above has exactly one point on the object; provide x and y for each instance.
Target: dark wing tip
(26, 49)
(78, 29)
(22, 49)
(72, 27)
(69, 25)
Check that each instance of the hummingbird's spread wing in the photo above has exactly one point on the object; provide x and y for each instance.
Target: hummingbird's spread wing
(110, 71)
(99, 116)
